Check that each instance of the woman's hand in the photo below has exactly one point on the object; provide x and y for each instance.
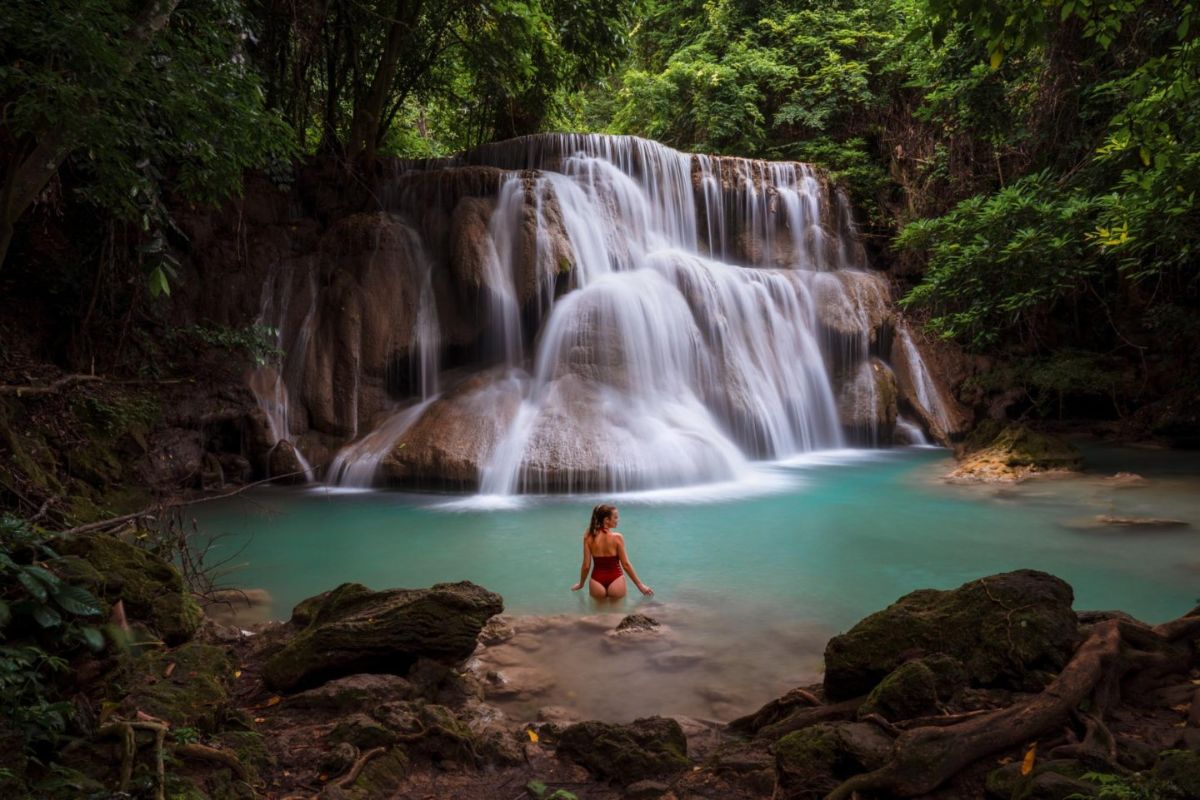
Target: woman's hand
(644, 589)
(577, 587)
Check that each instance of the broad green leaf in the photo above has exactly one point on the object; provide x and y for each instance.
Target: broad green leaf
(46, 616)
(77, 600)
(92, 637)
(32, 585)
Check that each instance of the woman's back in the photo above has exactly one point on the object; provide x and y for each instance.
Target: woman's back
(605, 544)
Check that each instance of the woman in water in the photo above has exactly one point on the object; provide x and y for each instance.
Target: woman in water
(606, 547)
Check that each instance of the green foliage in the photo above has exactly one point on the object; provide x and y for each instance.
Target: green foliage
(540, 791)
(1135, 786)
(44, 617)
(258, 343)
(997, 263)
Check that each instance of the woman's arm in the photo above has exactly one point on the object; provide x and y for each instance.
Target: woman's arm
(643, 588)
(587, 566)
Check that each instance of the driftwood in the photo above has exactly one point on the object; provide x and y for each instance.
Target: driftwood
(926, 756)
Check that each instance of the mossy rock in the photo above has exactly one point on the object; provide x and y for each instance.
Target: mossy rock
(196, 694)
(811, 762)
(916, 688)
(383, 776)
(65, 783)
(249, 747)
(646, 748)
(151, 588)
(996, 452)
(353, 629)
(362, 732)
(1180, 769)
(1005, 629)
(1056, 779)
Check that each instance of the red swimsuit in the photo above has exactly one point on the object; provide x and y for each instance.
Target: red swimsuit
(606, 569)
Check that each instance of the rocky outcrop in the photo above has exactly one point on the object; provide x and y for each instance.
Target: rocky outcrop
(867, 403)
(644, 749)
(853, 308)
(925, 372)
(453, 440)
(151, 589)
(1004, 629)
(996, 453)
(812, 762)
(353, 629)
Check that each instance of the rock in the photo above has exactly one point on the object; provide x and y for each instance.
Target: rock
(1002, 628)
(1056, 779)
(521, 683)
(361, 692)
(646, 790)
(644, 749)
(851, 306)
(453, 440)
(925, 369)
(339, 759)
(1109, 521)
(1181, 769)
(559, 715)
(810, 763)
(915, 688)
(1011, 453)
(1124, 480)
(361, 731)
(637, 622)
(152, 590)
(284, 464)
(175, 458)
(196, 694)
(235, 468)
(352, 629)
(498, 629)
(866, 403)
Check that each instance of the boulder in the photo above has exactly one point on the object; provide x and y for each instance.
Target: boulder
(852, 307)
(1181, 770)
(625, 754)
(353, 629)
(866, 403)
(994, 452)
(152, 589)
(1004, 629)
(195, 694)
(810, 763)
(354, 692)
(916, 688)
(175, 458)
(454, 439)
(284, 464)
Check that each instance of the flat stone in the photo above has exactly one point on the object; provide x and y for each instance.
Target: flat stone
(520, 682)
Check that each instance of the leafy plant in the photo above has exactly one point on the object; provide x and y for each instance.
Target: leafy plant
(257, 342)
(46, 618)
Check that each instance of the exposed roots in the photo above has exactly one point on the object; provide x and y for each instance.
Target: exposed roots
(1118, 658)
(127, 732)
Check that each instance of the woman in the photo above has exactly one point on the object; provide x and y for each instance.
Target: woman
(606, 548)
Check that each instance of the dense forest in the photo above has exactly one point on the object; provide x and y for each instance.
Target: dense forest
(1024, 180)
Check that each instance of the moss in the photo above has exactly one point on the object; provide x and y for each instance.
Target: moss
(1002, 628)
(805, 763)
(1181, 769)
(381, 777)
(992, 451)
(249, 747)
(66, 783)
(362, 732)
(916, 688)
(195, 695)
(645, 748)
(151, 589)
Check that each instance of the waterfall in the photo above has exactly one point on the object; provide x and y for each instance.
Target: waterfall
(656, 318)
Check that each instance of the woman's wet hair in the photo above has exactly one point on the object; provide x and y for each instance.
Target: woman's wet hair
(599, 514)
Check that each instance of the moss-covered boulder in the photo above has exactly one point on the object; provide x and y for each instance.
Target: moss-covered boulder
(353, 629)
(916, 688)
(1005, 629)
(811, 762)
(151, 588)
(1180, 769)
(188, 686)
(645, 748)
(1055, 779)
(1007, 453)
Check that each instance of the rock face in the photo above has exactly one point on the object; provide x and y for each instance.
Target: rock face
(644, 749)
(867, 403)
(152, 590)
(1002, 629)
(1010, 453)
(353, 629)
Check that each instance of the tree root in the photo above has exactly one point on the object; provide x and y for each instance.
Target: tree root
(807, 717)
(205, 753)
(924, 758)
(357, 767)
(126, 730)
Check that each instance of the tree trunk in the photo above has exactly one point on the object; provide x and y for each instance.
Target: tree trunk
(365, 125)
(27, 178)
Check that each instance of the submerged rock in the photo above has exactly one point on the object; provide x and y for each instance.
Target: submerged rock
(353, 629)
(644, 749)
(1011, 453)
(1003, 629)
(1108, 521)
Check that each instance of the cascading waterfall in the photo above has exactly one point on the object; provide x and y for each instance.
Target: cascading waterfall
(643, 318)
